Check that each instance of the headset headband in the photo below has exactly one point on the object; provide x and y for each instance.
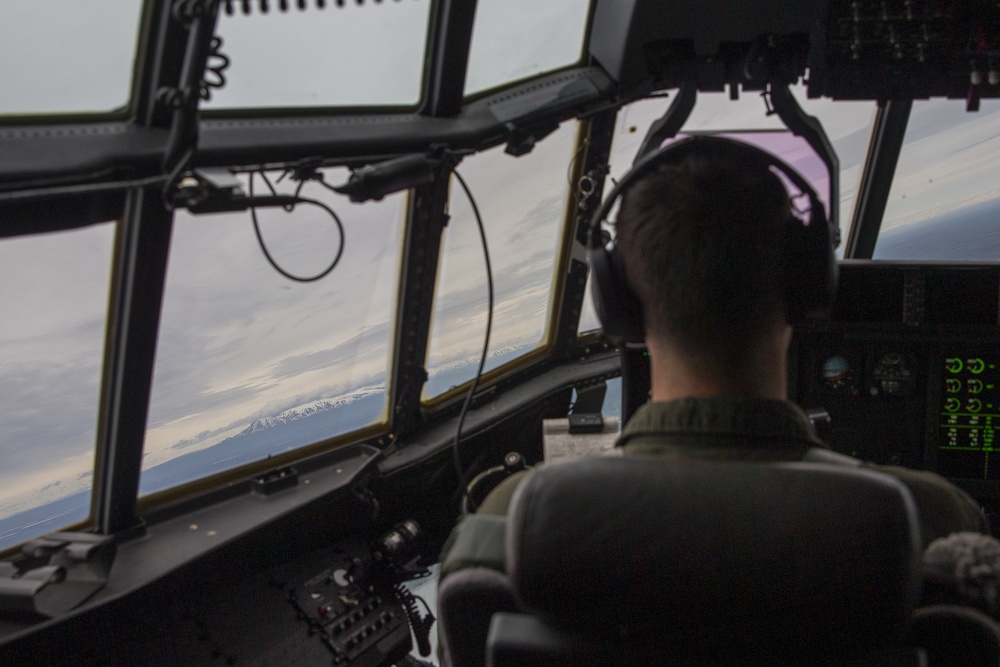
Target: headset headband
(676, 151)
(810, 266)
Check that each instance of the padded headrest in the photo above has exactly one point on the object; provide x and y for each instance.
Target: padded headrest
(768, 554)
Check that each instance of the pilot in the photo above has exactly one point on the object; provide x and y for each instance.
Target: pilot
(707, 243)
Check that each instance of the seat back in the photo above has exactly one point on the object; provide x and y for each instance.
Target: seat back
(717, 562)
(956, 636)
(472, 586)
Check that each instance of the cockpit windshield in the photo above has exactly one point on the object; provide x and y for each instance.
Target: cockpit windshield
(66, 57)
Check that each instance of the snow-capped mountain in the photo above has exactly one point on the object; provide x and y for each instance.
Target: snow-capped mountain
(310, 409)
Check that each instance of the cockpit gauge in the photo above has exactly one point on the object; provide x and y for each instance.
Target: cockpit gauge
(892, 375)
(837, 375)
(975, 365)
(954, 365)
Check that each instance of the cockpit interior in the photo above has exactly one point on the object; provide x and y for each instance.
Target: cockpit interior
(283, 280)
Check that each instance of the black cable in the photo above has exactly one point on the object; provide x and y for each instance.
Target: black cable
(298, 188)
(174, 178)
(216, 64)
(264, 6)
(327, 185)
(572, 162)
(423, 601)
(462, 477)
(83, 189)
(303, 200)
(421, 626)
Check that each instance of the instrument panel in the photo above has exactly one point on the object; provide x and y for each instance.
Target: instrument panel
(968, 418)
(908, 369)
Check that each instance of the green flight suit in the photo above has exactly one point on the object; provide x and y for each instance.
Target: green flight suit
(752, 429)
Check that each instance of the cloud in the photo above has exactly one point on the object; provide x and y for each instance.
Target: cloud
(376, 337)
(498, 35)
(40, 75)
(287, 59)
(50, 413)
(236, 336)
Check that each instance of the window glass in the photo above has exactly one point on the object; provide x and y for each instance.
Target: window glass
(67, 56)
(588, 316)
(251, 364)
(523, 204)
(944, 201)
(348, 54)
(514, 39)
(54, 299)
(848, 124)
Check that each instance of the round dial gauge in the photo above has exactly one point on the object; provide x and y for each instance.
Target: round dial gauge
(892, 375)
(836, 374)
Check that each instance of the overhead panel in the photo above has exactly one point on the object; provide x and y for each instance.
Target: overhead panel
(852, 49)
(649, 44)
(899, 49)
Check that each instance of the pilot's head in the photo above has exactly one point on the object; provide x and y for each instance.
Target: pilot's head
(701, 240)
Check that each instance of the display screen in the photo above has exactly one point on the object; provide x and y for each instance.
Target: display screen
(969, 414)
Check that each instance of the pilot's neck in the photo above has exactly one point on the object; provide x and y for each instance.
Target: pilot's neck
(679, 375)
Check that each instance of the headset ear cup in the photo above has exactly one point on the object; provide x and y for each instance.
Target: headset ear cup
(810, 269)
(617, 306)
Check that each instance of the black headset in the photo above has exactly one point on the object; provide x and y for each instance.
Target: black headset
(810, 265)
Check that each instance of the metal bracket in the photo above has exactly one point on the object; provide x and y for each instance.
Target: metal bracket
(522, 140)
(56, 573)
(668, 125)
(199, 17)
(276, 480)
(803, 125)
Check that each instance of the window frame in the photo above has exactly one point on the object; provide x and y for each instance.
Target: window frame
(558, 290)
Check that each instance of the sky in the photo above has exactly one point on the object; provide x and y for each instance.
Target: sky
(237, 340)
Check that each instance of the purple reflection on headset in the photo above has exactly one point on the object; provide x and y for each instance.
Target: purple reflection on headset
(792, 150)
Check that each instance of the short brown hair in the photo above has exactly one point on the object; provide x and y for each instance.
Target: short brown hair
(701, 240)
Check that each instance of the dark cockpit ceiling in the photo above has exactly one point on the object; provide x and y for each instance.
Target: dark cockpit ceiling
(202, 560)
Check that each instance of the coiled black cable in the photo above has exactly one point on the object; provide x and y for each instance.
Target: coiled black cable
(216, 66)
(289, 209)
(421, 625)
(264, 6)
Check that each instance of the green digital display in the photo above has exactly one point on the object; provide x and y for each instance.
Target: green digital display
(969, 418)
